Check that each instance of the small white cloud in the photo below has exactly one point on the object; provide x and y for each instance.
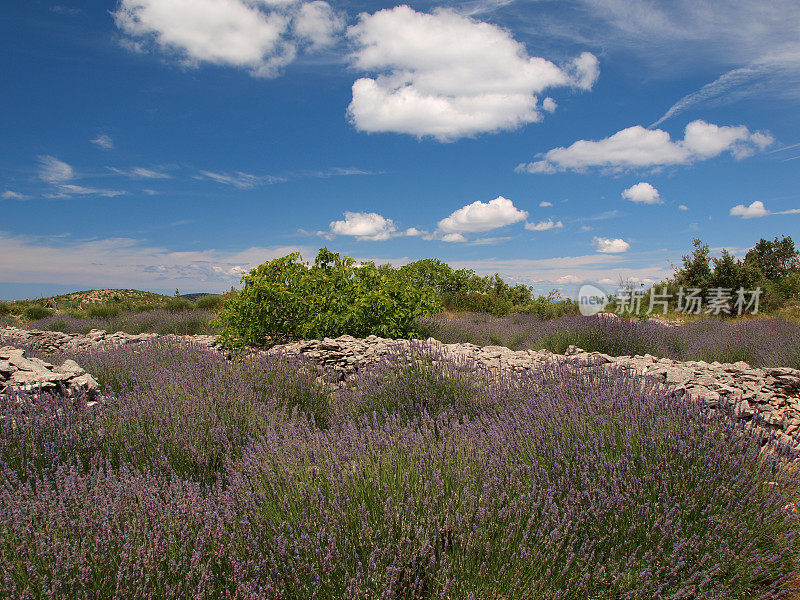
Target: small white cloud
(414, 232)
(549, 105)
(754, 211)
(482, 216)
(449, 76)
(453, 237)
(364, 227)
(544, 225)
(103, 141)
(545, 204)
(12, 195)
(585, 228)
(317, 22)
(609, 246)
(643, 193)
(53, 170)
(568, 279)
(637, 147)
(683, 207)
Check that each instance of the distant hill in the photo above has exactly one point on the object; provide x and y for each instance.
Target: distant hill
(87, 298)
(195, 297)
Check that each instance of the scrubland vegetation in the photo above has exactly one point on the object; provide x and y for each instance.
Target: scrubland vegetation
(200, 477)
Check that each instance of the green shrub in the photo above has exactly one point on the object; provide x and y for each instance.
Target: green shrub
(210, 302)
(178, 304)
(36, 312)
(478, 302)
(788, 287)
(286, 299)
(5, 308)
(103, 310)
(551, 306)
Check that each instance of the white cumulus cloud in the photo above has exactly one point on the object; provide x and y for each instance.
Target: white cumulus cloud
(611, 246)
(752, 211)
(482, 216)
(545, 204)
(445, 75)
(544, 225)
(549, 105)
(258, 35)
(637, 147)
(643, 193)
(364, 226)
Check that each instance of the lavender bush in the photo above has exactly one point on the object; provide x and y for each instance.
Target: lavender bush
(185, 322)
(205, 478)
(761, 342)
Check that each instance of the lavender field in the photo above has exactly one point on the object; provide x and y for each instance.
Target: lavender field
(200, 477)
(768, 341)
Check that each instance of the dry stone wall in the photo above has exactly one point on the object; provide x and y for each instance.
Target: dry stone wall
(770, 396)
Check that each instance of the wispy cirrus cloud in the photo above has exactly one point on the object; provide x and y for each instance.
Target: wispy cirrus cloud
(12, 195)
(103, 141)
(140, 173)
(59, 173)
(53, 170)
(239, 179)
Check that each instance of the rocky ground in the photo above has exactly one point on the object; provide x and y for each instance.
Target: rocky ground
(770, 396)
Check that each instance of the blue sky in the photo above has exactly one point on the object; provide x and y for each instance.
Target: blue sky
(162, 144)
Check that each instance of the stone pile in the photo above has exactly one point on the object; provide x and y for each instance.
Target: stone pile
(19, 373)
(54, 342)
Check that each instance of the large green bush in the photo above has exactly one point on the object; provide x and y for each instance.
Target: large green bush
(286, 299)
